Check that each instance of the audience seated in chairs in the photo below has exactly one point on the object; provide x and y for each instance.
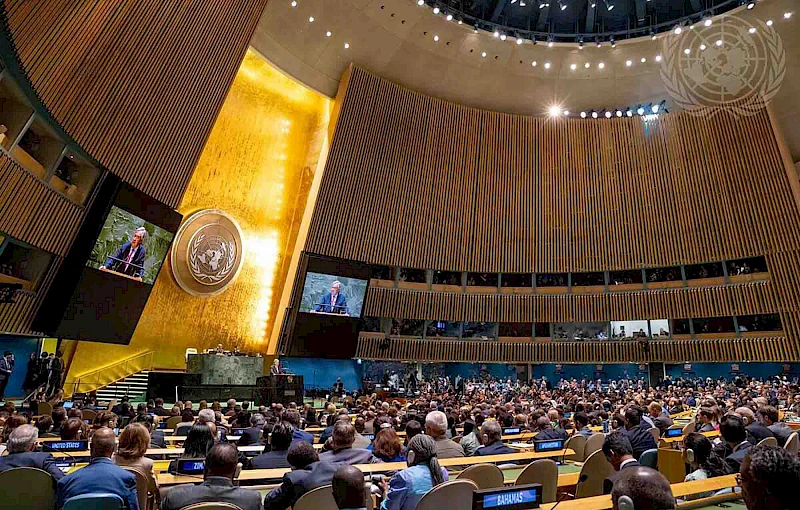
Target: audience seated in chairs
(661, 419)
(199, 441)
(133, 443)
(74, 430)
(545, 430)
(342, 451)
(185, 425)
(308, 472)
(278, 443)
(406, 488)
(156, 436)
(252, 435)
(221, 469)
(436, 428)
(619, 453)
(471, 440)
(348, 488)
(642, 488)
(735, 444)
(387, 446)
(493, 435)
(769, 478)
(756, 431)
(704, 462)
(637, 432)
(769, 417)
(293, 417)
(21, 445)
(101, 475)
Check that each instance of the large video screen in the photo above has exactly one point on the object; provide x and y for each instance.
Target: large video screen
(334, 295)
(130, 247)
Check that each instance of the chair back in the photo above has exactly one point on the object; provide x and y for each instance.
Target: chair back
(649, 458)
(485, 476)
(454, 494)
(768, 441)
(142, 485)
(88, 414)
(27, 488)
(212, 506)
(792, 443)
(172, 421)
(594, 443)
(545, 472)
(321, 498)
(655, 433)
(689, 427)
(95, 501)
(44, 408)
(189, 350)
(593, 473)
(578, 444)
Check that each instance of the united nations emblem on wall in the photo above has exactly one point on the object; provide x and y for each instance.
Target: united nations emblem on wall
(208, 253)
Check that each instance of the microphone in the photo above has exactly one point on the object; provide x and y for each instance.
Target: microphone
(581, 479)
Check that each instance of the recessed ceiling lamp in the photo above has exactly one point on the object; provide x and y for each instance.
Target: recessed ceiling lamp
(594, 115)
(608, 114)
(420, 2)
(708, 22)
(449, 17)
(347, 46)
(678, 30)
(640, 110)
(751, 4)
(519, 40)
(583, 115)
(787, 15)
(547, 65)
(619, 113)
(503, 37)
(629, 63)
(601, 65)
(550, 42)
(562, 5)
(587, 65)
(609, 5)
(643, 60)
(436, 10)
(294, 3)
(769, 22)
(658, 58)
(311, 19)
(573, 66)
(328, 33)
(555, 110)
(565, 113)
(496, 33)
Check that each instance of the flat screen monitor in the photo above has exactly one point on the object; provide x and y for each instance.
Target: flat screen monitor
(333, 294)
(520, 497)
(65, 446)
(191, 466)
(673, 433)
(549, 445)
(68, 405)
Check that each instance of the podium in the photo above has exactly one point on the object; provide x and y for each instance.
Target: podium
(280, 389)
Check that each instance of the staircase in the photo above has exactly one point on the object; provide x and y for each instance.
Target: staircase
(134, 387)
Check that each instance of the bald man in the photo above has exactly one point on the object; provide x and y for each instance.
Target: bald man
(348, 488)
(642, 488)
(101, 475)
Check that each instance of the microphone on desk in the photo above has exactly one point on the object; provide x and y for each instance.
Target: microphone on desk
(581, 479)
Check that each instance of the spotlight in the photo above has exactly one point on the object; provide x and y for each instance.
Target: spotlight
(460, 22)
(619, 113)
(436, 10)
(609, 5)
(420, 2)
(550, 42)
(583, 115)
(640, 110)
(678, 30)
(496, 33)
(708, 22)
(629, 113)
(503, 37)
(594, 4)
(436, 38)
(752, 30)
(687, 51)
(599, 44)
(787, 15)
(580, 44)
(534, 64)
(347, 46)
(311, 19)
(573, 66)
(547, 65)
(613, 43)
(702, 47)
(643, 60)
(542, 5)
(555, 110)
(483, 54)
(328, 33)
(629, 63)
(608, 114)
(566, 113)
(656, 108)
(769, 22)
(594, 115)
(449, 17)
(294, 3)
(519, 40)
(751, 4)
(719, 42)
(601, 65)
(587, 65)
(562, 5)
(658, 58)
(652, 36)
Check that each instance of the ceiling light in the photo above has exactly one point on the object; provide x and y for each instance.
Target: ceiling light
(643, 60)
(658, 58)
(483, 54)
(460, 22)
(547, 65)
(594, 115)
(311, 19)
(519, 40)
(769, 22)
(751, 4)
(608, 115)
(555, 110)
(655, 108)
(436, 38)
(562, 5)
(687, 51)
(787, 15)
(640, 111)
(436, 10)
(719, 42)
(629, 63)
(594, 4)
(294, 3)
(550, 42)
(420, 2)
(702, 47)
(619, 113)
(601, 65)
(609, 5)
(573, 66)
(534, 64)
(449, 17)
(566, 113)
(613, 43)
(752, 30)
(652, 36)
(583, 115)
(678, 30)
(691, 27)
(587, 65)
(346, 46)
(708, 22)
(496, 33)
(599, 44)
(328, 33)
(580, 44)
(542, 5)
(502, 37)
(629, 113)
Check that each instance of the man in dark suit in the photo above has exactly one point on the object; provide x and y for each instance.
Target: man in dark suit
(217, 487)
(546, 432)
(333, 302)
(293, 417)
(129, 258)
(660, 418)
(308, 472)
(6, 368)
(734, 434)
(494, 440)
(756, 431)
(619, 453)
(279, 441)
(252, 435)
(638, 433)
(769, 417)
(101, 475)
(20, 453)
(344, 433)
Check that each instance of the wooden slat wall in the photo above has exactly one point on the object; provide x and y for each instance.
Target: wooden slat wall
(33, 212)
(16, 317)
(717, 301)
(376, 346)
(420, 182)
(137, 84)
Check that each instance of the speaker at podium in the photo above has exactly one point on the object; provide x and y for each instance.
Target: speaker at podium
(280, 389)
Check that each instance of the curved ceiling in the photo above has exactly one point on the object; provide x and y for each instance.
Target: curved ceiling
(409, 44)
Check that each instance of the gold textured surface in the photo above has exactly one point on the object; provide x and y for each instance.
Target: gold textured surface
(257, 166)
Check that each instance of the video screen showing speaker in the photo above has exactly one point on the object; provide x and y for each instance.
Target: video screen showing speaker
(339, 295)
(130, 247)
(105, 280)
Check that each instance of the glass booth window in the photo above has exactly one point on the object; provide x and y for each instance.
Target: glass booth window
(515, 329)
(480, 330)
(482, 279)
(552, 280)
(580, 331)
(516, 280)
(407, 327)
(659, 328)
(412, 275)
(624, 330)
(442, 329)
(699, 271)
(624, 277)
(446, 278)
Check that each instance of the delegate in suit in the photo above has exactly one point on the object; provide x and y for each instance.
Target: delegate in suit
(333, 302)
(20, 453)
(129, 259)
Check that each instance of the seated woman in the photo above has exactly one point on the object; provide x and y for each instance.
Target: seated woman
(104, 419)
(198, 443)
(187, 420)
(406, 487)
(156, 436)
(74, 429)
(387, 446)
(705, 463)
(133, 444)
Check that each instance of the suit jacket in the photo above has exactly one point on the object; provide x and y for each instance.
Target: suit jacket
(548, 434)
(641, 440)
(736, 458)
(6, 367)
(608, 483)
(447, 449)
(663, 422)
(349, 456)
(250, 436)
(101, 475)
(43, 461)
(298, 482)
(361, 441)
(782, 432)
(757, 431)
(122, 254)
(302, 435)
(496, 448)
(339, 306)
(213, 489)
(271, 460)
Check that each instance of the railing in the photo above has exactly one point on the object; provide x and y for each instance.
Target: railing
(90, 381)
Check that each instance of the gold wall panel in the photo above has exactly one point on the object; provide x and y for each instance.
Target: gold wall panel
(257, 166)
